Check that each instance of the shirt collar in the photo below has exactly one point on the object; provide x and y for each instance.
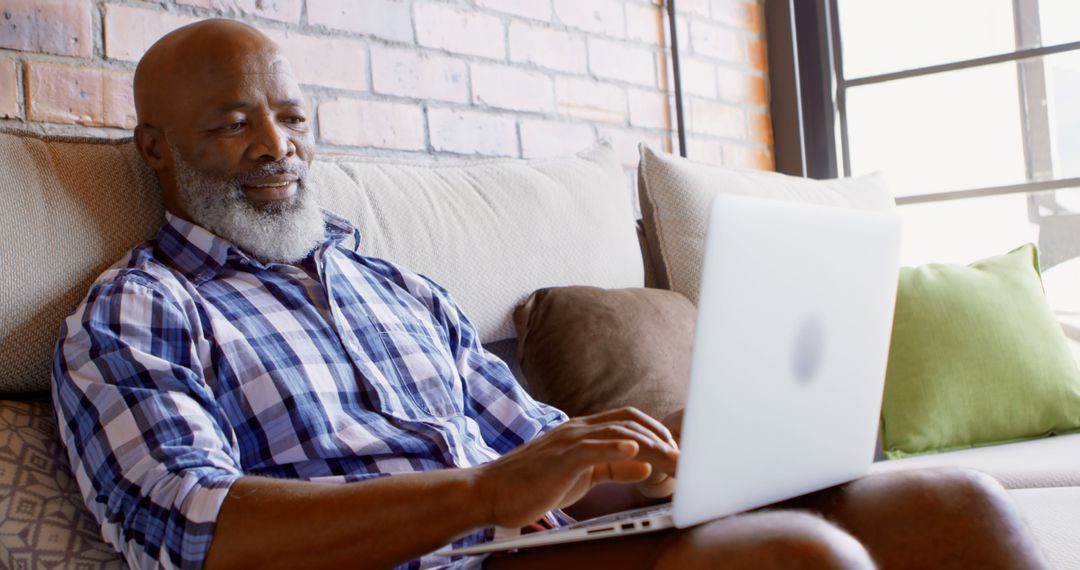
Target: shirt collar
(200, 255)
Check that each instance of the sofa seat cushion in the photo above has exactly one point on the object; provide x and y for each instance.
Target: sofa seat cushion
(1054, 518)
(1049, 462)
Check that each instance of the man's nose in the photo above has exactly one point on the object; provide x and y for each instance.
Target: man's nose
(271, 143)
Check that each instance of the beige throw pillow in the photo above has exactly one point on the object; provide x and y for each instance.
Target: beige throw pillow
(676, 194)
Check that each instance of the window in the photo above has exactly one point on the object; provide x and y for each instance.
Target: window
(971, 108)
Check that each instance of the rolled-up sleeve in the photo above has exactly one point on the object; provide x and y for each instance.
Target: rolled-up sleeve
(151, 451)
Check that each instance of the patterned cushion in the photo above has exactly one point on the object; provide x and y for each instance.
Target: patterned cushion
(43, 521)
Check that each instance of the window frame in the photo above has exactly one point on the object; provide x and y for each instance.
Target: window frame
(809, 91)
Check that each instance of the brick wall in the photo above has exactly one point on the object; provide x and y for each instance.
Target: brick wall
(523, 78)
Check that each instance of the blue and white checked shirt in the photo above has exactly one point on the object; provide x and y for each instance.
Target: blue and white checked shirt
(190, 364)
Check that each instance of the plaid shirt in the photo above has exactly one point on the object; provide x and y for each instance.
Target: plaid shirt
(190, 364)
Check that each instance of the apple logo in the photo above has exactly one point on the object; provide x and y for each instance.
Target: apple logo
(808, 349)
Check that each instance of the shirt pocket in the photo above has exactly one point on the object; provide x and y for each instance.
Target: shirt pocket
(427, 374)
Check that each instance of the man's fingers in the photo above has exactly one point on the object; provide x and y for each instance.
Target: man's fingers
(636, 415)
(621, 472)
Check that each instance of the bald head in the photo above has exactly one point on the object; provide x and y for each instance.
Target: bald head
(191, 56)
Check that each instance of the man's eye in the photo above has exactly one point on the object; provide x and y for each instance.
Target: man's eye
(295, 120)
(233, 126)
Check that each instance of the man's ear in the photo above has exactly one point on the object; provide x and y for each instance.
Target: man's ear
(152, 146)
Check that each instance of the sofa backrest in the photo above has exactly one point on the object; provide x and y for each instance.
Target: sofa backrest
(491, 231)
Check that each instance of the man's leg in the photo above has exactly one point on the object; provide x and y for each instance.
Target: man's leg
(933, 518)
(763, 540)
(939, 518)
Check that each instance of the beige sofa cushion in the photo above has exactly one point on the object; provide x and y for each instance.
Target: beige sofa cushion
(491, 231)
(1053, 515)
(1048, 462)
(676, 194)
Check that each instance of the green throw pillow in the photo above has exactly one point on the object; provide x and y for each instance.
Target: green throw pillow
(977, 358)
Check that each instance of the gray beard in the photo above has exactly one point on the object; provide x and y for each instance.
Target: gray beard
(283, 232)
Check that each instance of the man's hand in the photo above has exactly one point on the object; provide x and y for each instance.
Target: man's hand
(661, 484)
(557, 469)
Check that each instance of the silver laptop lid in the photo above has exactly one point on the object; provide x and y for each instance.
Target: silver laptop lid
(794, 320)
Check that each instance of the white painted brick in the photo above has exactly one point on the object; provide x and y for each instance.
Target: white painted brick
(716, 42)
(588, 99)
(534, 9)
(508, 87)
(596, 16)
(322, 60)
(705, 150)
(372, 123)
(472, 132)
(625, 143)
(709, 117)
(645, 23)
(408, 73)
(625, 62)
(695, 7)
(549, 48)
(540, 139)
(649, 109)
(698, 77)
(388, 19)
(461, 31)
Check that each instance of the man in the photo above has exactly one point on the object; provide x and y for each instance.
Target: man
(247, 391)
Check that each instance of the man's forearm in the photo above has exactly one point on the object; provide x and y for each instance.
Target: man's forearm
(266, 523)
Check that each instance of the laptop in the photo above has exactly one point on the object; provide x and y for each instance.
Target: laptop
(788, 369)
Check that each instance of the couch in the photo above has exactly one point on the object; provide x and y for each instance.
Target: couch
(71, 207)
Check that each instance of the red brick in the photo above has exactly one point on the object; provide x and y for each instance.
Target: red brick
(511, 88)
(385, 19)
(472, 132)
(324, 61)
(280, 10)
(761, 128)
(460, 31)
(129, 31)
(9, 90)
(756, 53)
(82, 95)
(596, 16)
(372, 123)
(61, 27)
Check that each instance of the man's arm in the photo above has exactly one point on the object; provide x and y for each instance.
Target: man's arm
(382, 522)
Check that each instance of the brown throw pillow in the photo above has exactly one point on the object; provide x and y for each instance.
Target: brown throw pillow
(586, 350)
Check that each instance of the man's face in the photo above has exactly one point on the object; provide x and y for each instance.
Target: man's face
(240, 145)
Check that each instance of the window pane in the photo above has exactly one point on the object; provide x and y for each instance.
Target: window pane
(1059, 21)
(1063, 94)
(963, 231)
(942, 132)
(879, 36)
